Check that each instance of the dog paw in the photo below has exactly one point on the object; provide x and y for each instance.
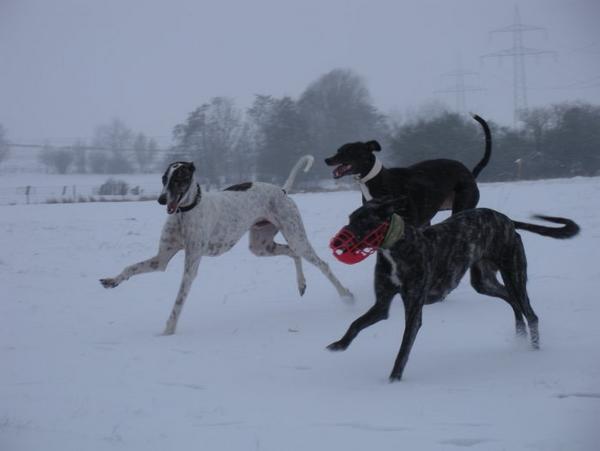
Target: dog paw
(535, 346)
(302, 289)
(337, 346)
(169, 329)
(395, 377)
(348, 297)
(109, 283)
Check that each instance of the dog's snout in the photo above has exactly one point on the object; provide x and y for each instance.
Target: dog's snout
(329, 161)
(162, 199)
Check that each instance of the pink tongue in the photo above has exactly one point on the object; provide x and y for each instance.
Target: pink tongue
(341, 170)
(171, 207)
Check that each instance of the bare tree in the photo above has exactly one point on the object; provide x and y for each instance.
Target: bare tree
(338, 108)
(145, 151)
(4, 146)
(282, 135)
(113, 141)
(210, 136)
(80, 155)
(58, 160)
(537, 121)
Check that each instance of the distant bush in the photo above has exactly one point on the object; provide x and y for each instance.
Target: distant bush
(113, 187)
(84, 199)
(57, 159)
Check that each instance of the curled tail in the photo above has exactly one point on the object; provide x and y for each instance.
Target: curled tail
(569, 230)
(488, 146)
(307, 161)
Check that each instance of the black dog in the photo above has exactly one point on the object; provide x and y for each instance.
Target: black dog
(431, 185)
(424, 265)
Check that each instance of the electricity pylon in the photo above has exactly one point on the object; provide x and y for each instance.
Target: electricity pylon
(518, 52)
(460, 87)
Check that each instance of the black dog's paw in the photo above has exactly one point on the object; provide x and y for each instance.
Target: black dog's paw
(395, 377)
(337, 346)
(108, 283)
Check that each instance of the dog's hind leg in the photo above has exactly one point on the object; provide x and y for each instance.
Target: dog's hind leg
(413, 318)
(310, 255)
(293, 231)
(307, 252)
(192, 260)
(166, 250)
(514, 275)
(263, 245)
(483, 280)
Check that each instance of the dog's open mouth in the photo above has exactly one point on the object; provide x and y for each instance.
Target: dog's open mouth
(174, 205)
(342, 170)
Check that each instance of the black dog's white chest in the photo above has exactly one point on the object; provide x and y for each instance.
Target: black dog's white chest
(394, 274)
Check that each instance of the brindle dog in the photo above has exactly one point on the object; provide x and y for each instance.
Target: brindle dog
(424, 265)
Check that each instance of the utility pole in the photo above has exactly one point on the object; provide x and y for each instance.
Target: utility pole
(518, 52)
(460, 87)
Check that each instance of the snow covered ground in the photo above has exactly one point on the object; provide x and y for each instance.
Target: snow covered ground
(84, 368)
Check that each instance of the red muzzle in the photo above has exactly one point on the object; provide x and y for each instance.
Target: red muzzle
(347, 249)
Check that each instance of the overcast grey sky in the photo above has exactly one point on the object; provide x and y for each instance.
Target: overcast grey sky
(67, 65)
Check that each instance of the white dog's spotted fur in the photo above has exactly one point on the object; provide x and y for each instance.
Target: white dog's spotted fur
(217, 223)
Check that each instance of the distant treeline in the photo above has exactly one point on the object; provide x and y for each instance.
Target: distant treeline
(229, 144)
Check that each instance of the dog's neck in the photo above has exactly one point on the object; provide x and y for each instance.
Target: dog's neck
(395, 231)
(373, 172)
(191, 198)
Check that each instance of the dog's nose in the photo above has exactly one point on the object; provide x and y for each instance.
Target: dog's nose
(328, 161)
(162, 199)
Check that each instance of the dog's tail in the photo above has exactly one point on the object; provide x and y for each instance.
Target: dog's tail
(307, 161)
(488, 146)
(569, 230)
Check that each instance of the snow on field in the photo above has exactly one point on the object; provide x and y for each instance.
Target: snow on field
(84, 368)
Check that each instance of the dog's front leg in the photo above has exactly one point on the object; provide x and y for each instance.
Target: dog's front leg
(384, 293)
(166, 250)
(192, 260)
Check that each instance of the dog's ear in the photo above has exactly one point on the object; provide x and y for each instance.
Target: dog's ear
(382, 205)
(373, 146)
(401, 204)
(394, 204)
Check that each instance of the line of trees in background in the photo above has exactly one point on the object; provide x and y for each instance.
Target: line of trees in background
(4, 147)
(556, 141)
(266, 141)
(114, 149)
(229, 145)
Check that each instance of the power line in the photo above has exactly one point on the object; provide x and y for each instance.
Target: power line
(518, 52)
(460, 87)
(85, 148)
(583, 84)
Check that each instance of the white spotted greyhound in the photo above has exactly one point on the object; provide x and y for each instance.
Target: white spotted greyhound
(212, 223)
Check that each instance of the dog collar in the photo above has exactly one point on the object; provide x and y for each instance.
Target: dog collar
(194, 203)
(362, 181)
(394, 232)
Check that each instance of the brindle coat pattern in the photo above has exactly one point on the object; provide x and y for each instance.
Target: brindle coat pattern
(427, 264)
